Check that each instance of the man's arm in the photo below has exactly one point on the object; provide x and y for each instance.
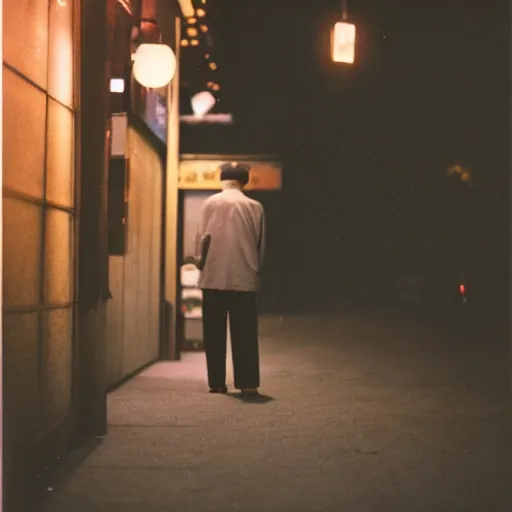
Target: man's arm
(205, 238)
(262, 239)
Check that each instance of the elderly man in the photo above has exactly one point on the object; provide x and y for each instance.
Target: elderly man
(232, 248)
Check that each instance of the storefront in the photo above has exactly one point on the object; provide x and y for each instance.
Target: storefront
(199, 178)
(137, 216)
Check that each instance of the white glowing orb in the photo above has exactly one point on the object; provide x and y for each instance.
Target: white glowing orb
(154, 65)
(202, 103)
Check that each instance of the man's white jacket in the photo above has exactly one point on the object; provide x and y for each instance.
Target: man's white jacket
(232, 242)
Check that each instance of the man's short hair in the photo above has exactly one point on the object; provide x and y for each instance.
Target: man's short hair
(235, 172)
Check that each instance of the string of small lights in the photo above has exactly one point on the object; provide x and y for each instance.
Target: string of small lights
(196, 35)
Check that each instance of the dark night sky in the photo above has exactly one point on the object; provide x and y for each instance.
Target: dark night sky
(366, 148)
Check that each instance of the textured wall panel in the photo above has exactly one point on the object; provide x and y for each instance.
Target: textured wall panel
(58, 260)
(57, 365)
(60, 155)
(22, 226)
(115, 321)
(25, 37)
(60, 52)
(21, 381)
(24, 133)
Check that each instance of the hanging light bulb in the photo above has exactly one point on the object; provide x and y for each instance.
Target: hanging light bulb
(204, 29)
(192, 32)
(184, 42)
(194, 42)
(343, 39)
(213, 66)
(191, 21)
(200, 13)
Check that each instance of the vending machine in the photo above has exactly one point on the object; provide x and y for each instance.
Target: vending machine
(199, 178)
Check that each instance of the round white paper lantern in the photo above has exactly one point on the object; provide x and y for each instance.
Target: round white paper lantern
(154, 65)
(202, 103)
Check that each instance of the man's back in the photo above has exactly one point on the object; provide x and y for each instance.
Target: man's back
(236, 226)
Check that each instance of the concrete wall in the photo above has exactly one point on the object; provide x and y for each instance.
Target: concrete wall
(39, 99)
(133, 314)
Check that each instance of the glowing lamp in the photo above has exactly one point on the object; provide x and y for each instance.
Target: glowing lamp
(343, 42)
(462, 289)
(184, 42)
(154, 65)
(201, 13)
(192, 32)
(202, 103)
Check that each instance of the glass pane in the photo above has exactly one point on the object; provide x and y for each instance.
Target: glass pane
(21, 382)
(26, 37)
(24, 135)
(60, 51)
(57, 365)
(59, 166)
(58, 264)
(22, 253)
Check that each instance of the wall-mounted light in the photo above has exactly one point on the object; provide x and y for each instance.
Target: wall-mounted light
(192, 32)
(200, 13)
(202, 103)
(154, 65)
(117, 85)
(213, 66)
(194, 42)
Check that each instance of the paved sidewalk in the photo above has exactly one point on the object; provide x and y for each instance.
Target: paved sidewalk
(363, 415)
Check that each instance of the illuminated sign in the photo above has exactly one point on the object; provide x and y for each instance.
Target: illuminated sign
(205, 174)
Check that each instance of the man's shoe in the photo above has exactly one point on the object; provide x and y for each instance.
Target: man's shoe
(222, 390)
(249, 392)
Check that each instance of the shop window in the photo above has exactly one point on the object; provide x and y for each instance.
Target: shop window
(24, 134)
(60, 155)
(25, 38)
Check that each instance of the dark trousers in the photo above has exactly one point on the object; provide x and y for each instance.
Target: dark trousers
(243, 324)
